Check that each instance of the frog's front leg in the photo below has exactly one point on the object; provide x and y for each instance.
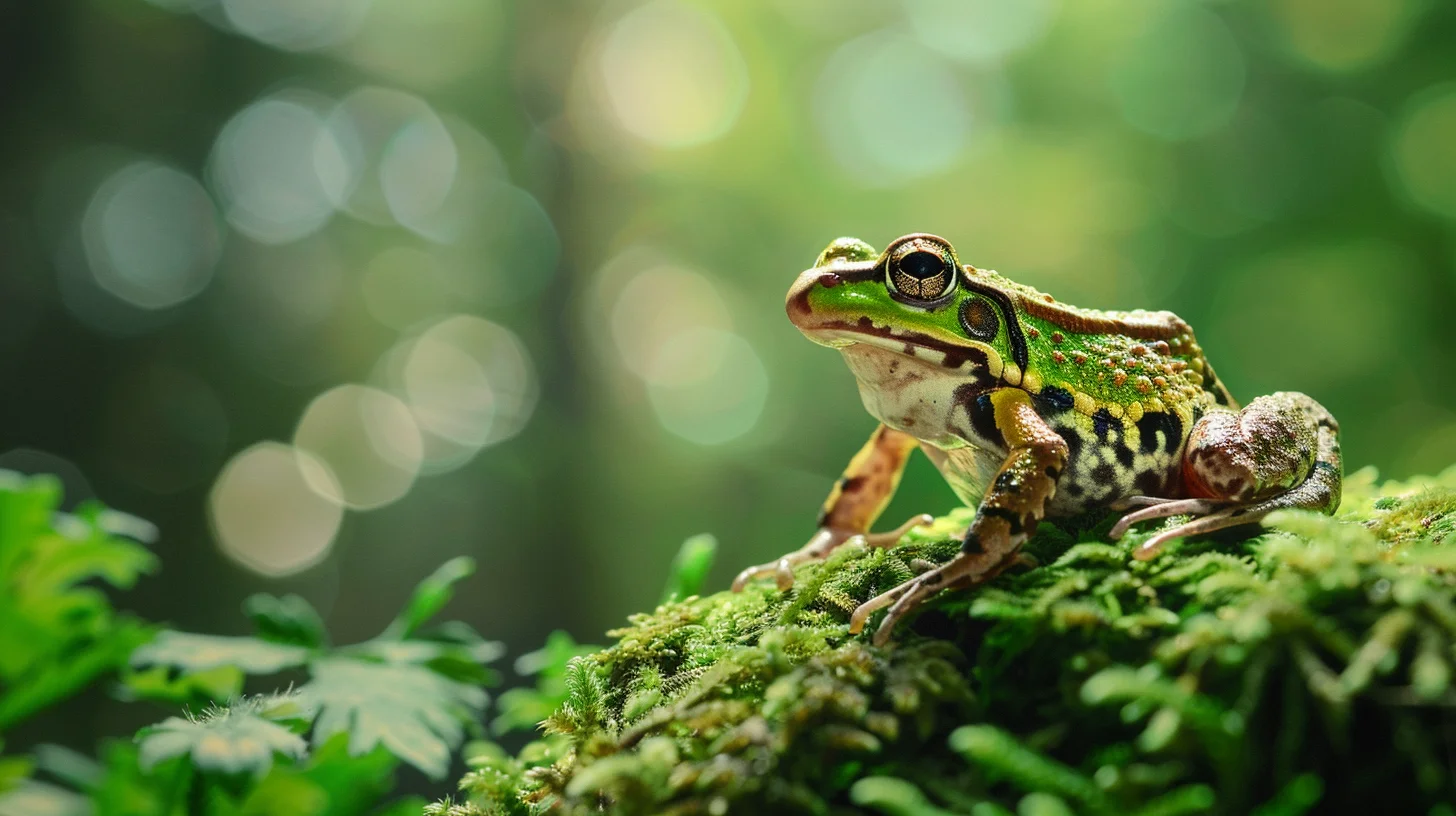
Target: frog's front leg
(1012, 507)
(1281, 451)
(856, 501)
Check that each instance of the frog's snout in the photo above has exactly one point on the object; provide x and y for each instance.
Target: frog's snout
(796, 303)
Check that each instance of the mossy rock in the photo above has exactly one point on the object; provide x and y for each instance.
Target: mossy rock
(1305, 669)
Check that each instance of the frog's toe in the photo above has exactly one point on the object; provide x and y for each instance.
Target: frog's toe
(824, 542)
(1155, 508)
(892, 537)
(1313, 494)
(750, 573)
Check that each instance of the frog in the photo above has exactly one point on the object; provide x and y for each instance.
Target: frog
(1034, 409)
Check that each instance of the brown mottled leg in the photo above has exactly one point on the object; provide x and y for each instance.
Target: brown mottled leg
(1281, 451)
(1013, 506)
(856, 501)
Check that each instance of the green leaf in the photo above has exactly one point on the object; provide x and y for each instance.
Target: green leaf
(49, 618)
(199, 653)
(289, 619)
(161, 684)
(57, 677)
(330, 783)
(690, 568)
(245, 737)
(77, 770)
(14, 771)
(417, 714)
(430, 597)
(124, 789)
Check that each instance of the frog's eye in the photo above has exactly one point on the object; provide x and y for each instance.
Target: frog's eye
(921, 269)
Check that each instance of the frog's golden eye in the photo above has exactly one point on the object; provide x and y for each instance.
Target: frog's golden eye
(921, 269)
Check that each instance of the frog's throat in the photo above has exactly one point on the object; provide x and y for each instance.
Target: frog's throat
(964, 357)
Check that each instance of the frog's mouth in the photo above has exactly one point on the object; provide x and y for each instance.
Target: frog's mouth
(841, 334)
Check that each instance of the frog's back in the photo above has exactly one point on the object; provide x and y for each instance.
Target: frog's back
(1123, 388)
(1127, 362)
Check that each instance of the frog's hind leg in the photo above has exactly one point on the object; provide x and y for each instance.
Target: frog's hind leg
(1281, 451)
(856, 501)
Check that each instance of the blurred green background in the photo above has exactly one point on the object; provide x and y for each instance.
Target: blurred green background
(333, 290)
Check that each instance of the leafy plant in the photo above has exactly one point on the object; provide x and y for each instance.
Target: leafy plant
(1304, 667)
(57, 633)
(410, 692)
(330, 747)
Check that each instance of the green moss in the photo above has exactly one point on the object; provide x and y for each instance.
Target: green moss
(1307, 667)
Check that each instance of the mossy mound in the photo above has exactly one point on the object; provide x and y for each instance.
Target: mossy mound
(1308, 668)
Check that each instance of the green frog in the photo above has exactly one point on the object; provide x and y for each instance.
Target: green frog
(1031, 408)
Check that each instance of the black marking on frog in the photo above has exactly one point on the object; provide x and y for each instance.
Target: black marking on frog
(1052, 400)
(1073, 438)
(1153, 422)
(1103, 424)
(982, 416)
(1150, 482)
(1013, 519)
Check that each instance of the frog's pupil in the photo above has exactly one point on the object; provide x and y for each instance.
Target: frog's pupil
(922, 265)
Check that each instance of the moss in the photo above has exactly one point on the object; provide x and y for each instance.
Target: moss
(1306, 667)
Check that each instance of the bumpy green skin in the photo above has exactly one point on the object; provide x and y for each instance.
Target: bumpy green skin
(1305, 670)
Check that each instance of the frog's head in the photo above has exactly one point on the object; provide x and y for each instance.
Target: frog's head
(915, 299)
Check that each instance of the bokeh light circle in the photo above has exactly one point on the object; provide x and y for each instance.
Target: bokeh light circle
(266, 515)
(672, 75)
(369, 442)
(1182, 77)
(469, 383)
(394, 151)
(980, 30)
(1343, 35)
(275, 167)
(725, 399)
(151, 236)
(439, 178)
(1422, 155)
(656, 306)
(891, 110)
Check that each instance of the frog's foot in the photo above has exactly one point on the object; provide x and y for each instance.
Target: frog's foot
(1156, 508)
(1280, 452)
(966, 570)
(824, 542)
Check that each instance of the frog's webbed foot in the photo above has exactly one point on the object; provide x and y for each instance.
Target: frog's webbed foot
(820, 545)
(1281, 451)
